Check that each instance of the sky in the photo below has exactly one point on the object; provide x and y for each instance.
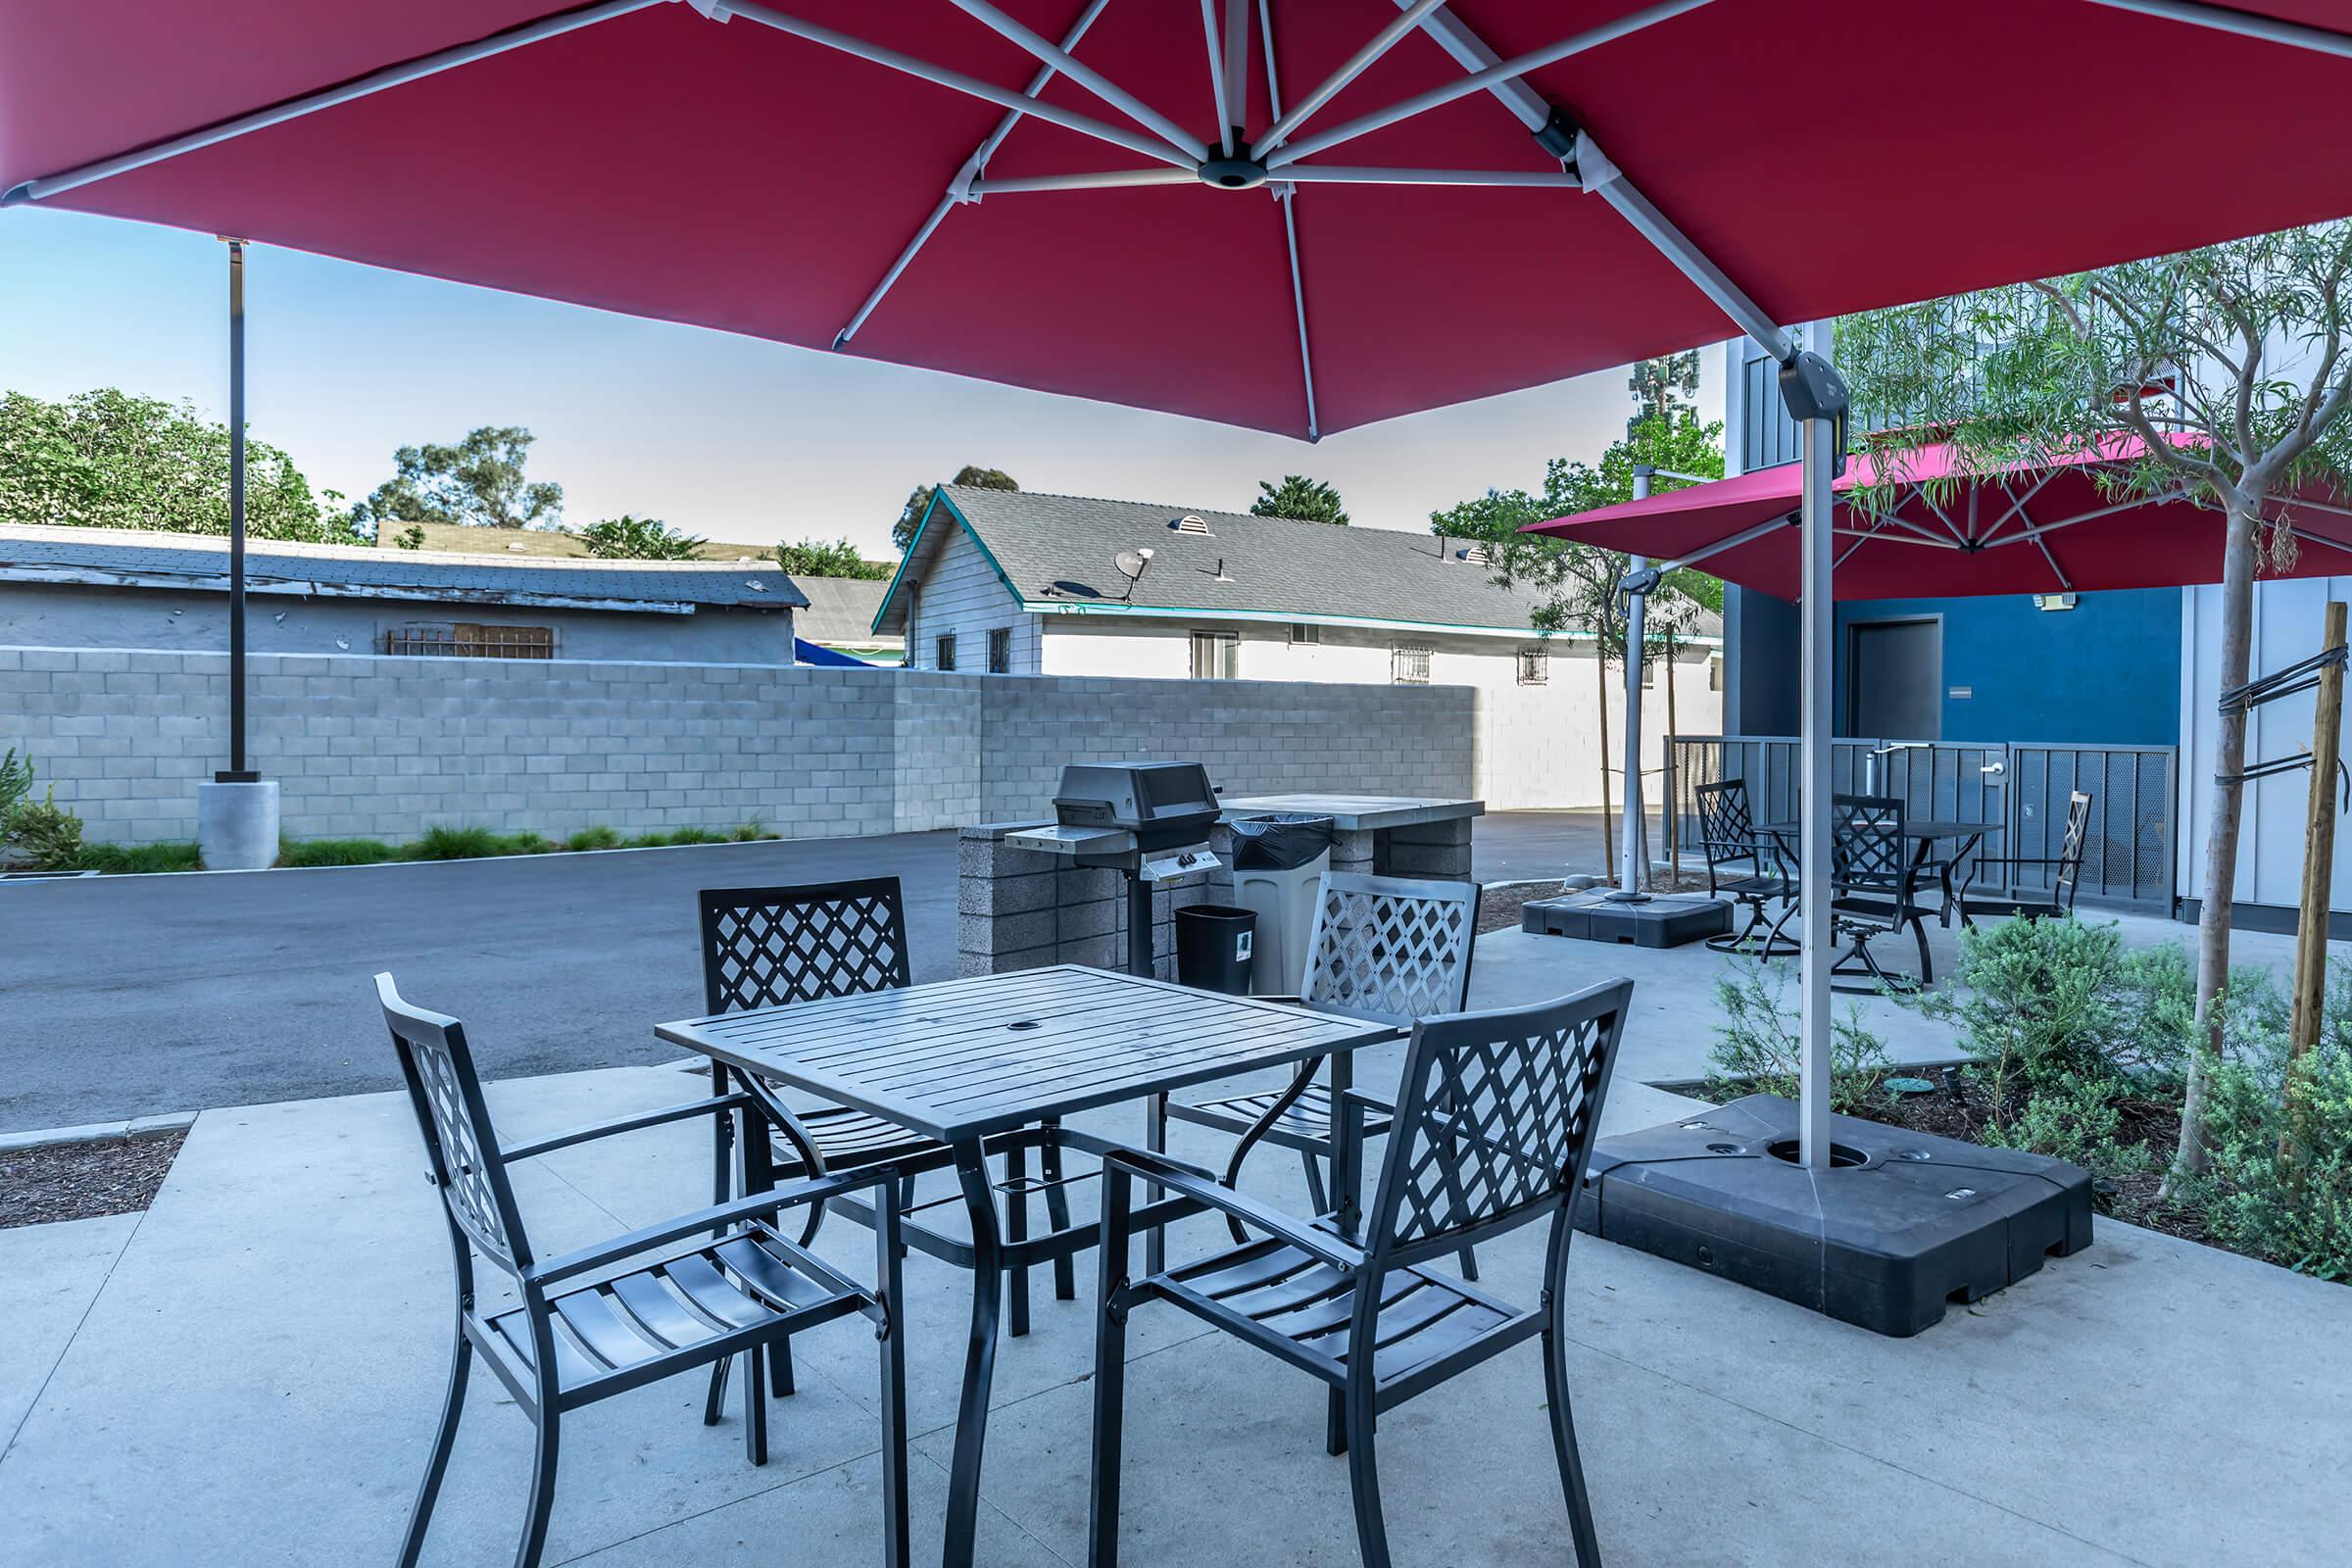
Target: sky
(732, 438)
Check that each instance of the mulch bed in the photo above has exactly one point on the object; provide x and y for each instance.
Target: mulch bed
(82, 1181)
(2148, 1123)
(1498, 907)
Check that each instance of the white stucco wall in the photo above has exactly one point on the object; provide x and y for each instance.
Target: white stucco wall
(2273, 829)
(962, 595)
(1539, 746)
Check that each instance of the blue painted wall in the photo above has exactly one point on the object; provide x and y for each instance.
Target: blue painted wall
(2105, 672)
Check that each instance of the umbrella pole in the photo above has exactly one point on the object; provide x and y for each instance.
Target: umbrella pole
(1629, 829)
(1817, 398)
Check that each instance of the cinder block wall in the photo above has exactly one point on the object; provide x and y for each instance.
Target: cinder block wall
(385, 747)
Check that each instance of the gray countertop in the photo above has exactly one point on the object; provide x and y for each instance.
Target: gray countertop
(1351, 814)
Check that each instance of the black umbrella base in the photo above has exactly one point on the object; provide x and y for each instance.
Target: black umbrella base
(1662, 920)
(1900, 1225)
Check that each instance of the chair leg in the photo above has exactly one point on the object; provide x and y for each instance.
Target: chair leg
(891, 1284)
(779, 1369)
(1927, 964)
(716, 1400)
(1335, 1424)
(1156, 1140)
(1363, 1479)
(1563, 1439)
(1058, 1214)
(453, 1405)
(543, 1490)
(754, 1407)
(1314, 1184)
(1016, 1231)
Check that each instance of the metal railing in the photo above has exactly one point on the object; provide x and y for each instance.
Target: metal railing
(2022, 786)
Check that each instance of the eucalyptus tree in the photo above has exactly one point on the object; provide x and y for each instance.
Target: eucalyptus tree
(1297, 496)
(2224, 377)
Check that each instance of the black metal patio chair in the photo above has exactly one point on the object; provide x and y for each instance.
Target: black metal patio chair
(1874, 888)
(767, 947)
(1745, 865)
(2065, 869)
(1387, 949)
(663, 1300)
(1493, 1129)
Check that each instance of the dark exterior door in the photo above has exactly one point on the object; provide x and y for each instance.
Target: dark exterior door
(1894, 678)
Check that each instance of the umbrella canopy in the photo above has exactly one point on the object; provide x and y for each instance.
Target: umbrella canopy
(1929, 529)
(833, 172)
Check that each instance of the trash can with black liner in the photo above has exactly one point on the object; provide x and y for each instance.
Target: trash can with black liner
(1279, 859)
(1214, 947)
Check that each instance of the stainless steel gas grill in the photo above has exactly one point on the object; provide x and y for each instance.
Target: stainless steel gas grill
(1148, 821)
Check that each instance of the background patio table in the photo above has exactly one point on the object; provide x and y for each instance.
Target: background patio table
(1926, 832)
(961, 1060)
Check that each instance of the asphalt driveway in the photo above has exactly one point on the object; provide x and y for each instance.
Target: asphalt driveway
(138, 996)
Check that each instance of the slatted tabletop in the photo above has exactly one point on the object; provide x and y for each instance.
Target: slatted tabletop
(963, 1058)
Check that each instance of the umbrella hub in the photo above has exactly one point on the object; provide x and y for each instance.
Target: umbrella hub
(1237, 172)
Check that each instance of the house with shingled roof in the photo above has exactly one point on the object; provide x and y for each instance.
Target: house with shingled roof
(1015, 583)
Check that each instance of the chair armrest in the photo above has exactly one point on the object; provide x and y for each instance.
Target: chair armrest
(1182, 1179)
(758, 1206)
(623, 1124)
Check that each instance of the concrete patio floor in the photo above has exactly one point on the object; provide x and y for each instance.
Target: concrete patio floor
(248, 1374)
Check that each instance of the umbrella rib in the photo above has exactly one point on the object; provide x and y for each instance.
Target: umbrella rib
(1337, 174)
(1356, 64)
(1100, 179)
(963, 179)
(375, 81)
(1288, 195)
(1494, 75)
(955, 80)
(1216, 75)
(1059, 59)
(1237, 63)
(2268, 29)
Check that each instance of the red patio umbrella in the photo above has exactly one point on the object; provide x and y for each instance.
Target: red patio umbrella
(1926, 529)
(1297, 214)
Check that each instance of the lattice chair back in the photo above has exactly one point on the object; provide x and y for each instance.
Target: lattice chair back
(1866, 843)
(1390, 949)
(2070, 849)
(461, 1145)
(1495, 1117)
(766, 947)
(1726, 828)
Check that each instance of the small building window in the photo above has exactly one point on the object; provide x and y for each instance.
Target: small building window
(1302, 632)
(944, 653)
(1715, 674)
(1000, 651)
(1409, 667)
(1217, 654)
(1649, 674)
(470, 639)
(1534, 666)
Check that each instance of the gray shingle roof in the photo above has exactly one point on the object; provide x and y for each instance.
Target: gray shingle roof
(840, 609)
(203, 560)
(1058, 550)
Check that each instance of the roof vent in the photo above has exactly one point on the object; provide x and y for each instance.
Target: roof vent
(1188, 523)
(517, 545)
(1475, 554)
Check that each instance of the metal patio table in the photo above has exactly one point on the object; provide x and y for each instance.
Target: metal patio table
(990, 1064)
(1926, 832)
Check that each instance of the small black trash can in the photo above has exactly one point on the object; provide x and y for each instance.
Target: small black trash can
(1213, 947)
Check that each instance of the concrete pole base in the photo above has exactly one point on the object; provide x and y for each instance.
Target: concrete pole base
(237, 825)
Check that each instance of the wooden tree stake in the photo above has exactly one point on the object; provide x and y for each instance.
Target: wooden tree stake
(2319, 876)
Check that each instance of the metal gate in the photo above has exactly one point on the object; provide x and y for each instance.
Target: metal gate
(2021, 787)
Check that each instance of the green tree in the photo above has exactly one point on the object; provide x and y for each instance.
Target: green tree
(478, 481)
(814, 557)
(1663, 388)
(630, 538)
(1297, 496)
(1576, 586)
(106, 459)
(911, 515)
(2229, 372)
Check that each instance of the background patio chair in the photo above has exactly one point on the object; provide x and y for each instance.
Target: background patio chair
(1495, 1124)
(1383, 948)
(1874, 887)
(1748, 867)
(657, 1302)
(2066, 865)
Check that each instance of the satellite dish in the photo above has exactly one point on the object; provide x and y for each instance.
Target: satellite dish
(1131, 564)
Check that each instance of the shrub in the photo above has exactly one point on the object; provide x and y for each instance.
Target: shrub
(593, 838)
(473, 844)
(2293, 1208)
(129, 860)
(335, 851)
(16, 786)
(45, 836)
(2074, 1119)
(1759, 1044)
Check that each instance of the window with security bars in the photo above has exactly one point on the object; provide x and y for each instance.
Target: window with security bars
(1534, 666)
(1217, 654)
(1409, 666)
(466, 640)
(944, 653)
(1305, 631)
(1000, 651)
